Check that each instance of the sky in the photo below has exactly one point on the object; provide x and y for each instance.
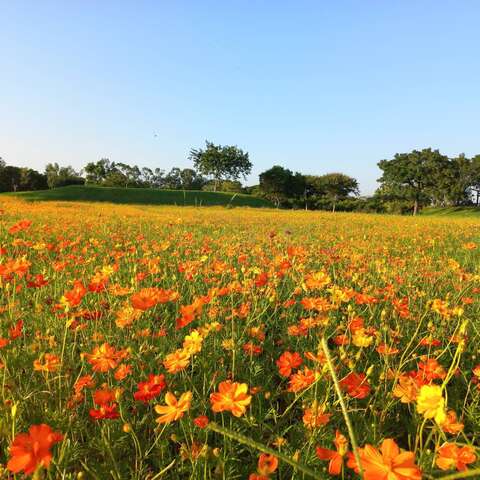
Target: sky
(314, 86)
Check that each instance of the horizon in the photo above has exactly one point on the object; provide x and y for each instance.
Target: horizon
(313, 88)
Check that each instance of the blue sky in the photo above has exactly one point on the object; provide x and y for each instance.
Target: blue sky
(314, 86)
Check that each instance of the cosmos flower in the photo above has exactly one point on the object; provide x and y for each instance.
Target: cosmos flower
(431, 404)
(287, 362)
(388, 463)
(451, 456)
(31, 450)
(150, 389)
(232, 397)
(335, 457)
(174, 409)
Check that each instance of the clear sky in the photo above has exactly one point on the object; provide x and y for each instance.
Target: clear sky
(315, 86)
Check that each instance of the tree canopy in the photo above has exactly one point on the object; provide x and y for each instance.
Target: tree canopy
(425, 177)
(221, 162)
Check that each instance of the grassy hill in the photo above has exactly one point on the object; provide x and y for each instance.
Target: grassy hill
(452, 211)
(143, 196)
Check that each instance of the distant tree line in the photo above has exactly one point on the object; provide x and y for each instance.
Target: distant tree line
(427, 177)
(409, 181)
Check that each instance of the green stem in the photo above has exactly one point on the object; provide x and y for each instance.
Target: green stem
(263, 448)
(351, 433)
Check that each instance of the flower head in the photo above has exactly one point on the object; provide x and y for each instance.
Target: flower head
(388, 463)
(174, 409)
(232, 397)
(31, 450)
(431, 404)
(450, 456)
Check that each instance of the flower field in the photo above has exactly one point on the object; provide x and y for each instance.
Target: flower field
(197, 343)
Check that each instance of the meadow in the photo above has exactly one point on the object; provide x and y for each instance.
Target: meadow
(143, 196)
(146, 342)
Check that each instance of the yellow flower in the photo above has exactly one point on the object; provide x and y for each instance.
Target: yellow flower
(174, 409)
(361, 339)
(193, 342)
(431, 403)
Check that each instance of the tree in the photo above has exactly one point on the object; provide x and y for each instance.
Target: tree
(475, 177)
(98, 171)
(172, 180)
(336, 186)
(61, 176)
(130, 174)
(32, 180)
(410, 176)
(9, 178)
(453, 181)
(279, 184)
(221, 162)
(191, 180)
(158, 178)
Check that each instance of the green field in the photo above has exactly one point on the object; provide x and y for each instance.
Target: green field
(452, 211)
(144, 196)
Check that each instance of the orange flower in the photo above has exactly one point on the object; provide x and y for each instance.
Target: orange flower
(201, 421)
(144, 299)
(83, 382)
(126, 316)
(177, 361)
(314, 417)
(16, 331)
(76, 294)
(287, 362)
(149, 297)
(317, 280)
(151, 388)
(103, 358)
(232, 397)
(450, 456)
(336, 457)
(430, 369)
(406, 389)
(451, 424)
(20, 226)
(356, 385)
(174, 409)
(51, 363)
(31, 450)
(103, 397)
(389, 463)
(301, 380)
(267, 464)
(122, 371)
(385, 349)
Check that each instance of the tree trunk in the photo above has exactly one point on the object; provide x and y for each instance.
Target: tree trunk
(415, 207)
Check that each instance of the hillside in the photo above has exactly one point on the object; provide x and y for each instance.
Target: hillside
(452, 211)
(144, 196)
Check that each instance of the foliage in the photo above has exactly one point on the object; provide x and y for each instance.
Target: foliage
(427, 177)
(225, 186)
(14, 179)
(332, 187)
(58, 176)
(281, 184)
(221, 162)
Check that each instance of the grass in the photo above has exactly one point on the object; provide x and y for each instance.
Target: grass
(463, 212)
(280, 333)
(144, 196)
